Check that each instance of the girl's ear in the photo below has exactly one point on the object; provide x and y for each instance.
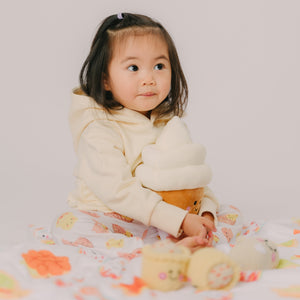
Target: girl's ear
(106, 82)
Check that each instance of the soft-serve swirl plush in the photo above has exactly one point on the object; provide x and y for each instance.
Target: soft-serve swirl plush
(174, 162)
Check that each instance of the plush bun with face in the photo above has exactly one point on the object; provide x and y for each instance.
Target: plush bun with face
(174, 167)
(254, 253)
(164, 265)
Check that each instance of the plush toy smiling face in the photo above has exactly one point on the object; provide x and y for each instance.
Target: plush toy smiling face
(189, 200)
(271, 251)
(164, 265)
(165, 275)
(176, 273)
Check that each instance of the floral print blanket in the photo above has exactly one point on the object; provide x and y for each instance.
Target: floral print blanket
(39, 269)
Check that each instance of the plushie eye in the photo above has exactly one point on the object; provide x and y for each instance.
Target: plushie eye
(195, 202)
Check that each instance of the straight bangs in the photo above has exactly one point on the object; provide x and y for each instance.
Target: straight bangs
(117, 37)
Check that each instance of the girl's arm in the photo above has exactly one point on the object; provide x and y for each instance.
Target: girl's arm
(104, 169)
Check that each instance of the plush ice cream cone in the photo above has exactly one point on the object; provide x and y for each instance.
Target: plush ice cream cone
(174, 167)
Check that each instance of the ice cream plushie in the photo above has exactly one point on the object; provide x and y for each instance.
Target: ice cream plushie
(254, 253)
(174, 167)
(211, 269)
(164, 265)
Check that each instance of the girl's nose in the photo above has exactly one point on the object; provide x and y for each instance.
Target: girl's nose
(148, 80)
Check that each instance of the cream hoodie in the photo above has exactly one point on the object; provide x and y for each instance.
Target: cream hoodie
(108, 148)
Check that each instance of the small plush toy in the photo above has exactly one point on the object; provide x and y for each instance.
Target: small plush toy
(174, 167)
(164, 265)
(211, 269)
(255, 253)
(167, 266)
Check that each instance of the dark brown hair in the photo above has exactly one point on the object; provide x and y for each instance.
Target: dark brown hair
(95, 67)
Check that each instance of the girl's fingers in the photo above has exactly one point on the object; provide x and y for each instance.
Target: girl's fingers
(210, 241)
(193, 242)
(210, 225)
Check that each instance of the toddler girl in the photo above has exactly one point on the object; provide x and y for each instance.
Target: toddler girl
(131, 85)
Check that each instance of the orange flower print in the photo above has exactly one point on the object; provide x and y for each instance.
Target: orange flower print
(133, 289)
(44, 263)
(250, 276)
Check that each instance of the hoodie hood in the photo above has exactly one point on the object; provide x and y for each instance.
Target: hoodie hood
(85, 110)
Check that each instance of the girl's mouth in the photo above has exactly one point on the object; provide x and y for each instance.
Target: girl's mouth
(148, 94)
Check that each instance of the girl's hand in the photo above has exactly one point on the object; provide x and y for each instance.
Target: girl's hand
(201, 226)
(194, 243)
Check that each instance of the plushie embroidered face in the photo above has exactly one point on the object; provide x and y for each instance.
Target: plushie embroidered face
(164, 265)
(194, 209)
(270, 247)
(164, 275)
(172, 274)
(189, 199)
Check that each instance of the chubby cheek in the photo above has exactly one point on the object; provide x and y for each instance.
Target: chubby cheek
(165, 87)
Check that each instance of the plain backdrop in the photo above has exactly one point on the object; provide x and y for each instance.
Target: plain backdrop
(242, 63)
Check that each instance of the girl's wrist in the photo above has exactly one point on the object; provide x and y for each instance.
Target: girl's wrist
(208, 215)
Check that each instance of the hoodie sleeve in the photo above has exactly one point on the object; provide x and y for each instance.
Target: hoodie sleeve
(209, 203)
(104, 169)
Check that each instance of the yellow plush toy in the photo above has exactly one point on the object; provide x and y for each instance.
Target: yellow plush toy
(167, 266)
(164, 265)
(255, 253)
(211, 269)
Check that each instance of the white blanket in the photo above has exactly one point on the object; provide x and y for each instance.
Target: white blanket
(67, 272)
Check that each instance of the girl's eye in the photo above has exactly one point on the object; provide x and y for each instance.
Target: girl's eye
(133, 68)
(159, 67)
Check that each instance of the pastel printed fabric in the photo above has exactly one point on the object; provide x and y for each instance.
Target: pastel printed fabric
(63, 263)
(104, 232)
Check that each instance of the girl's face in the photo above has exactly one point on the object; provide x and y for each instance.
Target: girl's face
(139, 73)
